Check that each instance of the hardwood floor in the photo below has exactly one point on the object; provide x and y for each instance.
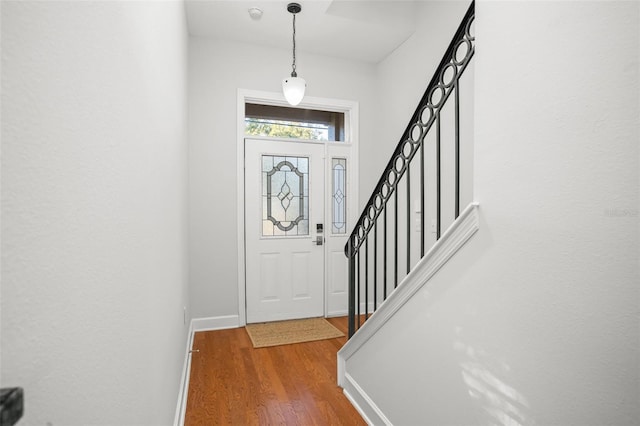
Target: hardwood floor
(233, 383)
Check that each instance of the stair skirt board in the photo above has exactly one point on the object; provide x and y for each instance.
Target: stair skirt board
(453, 239)
(363, 404)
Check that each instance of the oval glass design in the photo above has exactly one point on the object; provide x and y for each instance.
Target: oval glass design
(285, 196)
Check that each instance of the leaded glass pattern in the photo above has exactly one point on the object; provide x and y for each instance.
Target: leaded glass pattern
(339, 195)
(285, 196)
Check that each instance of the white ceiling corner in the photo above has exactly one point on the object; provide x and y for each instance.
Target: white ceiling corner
(363, 30)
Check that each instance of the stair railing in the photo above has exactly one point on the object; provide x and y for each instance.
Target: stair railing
(443, 85)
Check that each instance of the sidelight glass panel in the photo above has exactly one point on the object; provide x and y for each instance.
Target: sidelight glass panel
(339, 195)
(285, 196)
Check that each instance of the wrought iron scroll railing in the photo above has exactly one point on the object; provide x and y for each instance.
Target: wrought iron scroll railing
(370, 282)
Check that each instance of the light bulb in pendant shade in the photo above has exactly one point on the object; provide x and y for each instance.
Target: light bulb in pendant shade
(293, 89)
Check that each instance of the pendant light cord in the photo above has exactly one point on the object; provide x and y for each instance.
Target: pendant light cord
(293, 66)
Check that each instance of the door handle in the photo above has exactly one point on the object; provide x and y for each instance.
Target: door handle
(318, 241)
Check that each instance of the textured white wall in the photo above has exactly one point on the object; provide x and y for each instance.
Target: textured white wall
(94, 157)
(536, 320)
(216, 70)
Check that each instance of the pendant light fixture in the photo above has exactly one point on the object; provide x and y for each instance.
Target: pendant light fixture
(293, 87)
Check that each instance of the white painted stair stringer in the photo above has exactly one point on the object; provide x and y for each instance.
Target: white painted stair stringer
(451, 241)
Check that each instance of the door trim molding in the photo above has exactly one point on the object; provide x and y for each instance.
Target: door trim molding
(350, 108)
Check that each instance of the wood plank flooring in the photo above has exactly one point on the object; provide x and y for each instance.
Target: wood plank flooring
(232, 383)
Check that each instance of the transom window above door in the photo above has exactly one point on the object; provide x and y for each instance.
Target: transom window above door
(295, 123)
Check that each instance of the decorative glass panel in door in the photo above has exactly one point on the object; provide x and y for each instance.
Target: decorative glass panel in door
(285, 196)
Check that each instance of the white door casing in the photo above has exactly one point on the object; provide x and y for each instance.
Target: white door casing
(292, 276)
(335, 264)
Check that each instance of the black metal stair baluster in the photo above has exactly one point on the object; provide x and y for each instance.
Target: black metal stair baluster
(352, 291)
(375, 264)
(438, 178)
(366, 279)
(457, 147)
(359, 273)
(421, 197)
(395, 237)
(408, 173)
(384, 254)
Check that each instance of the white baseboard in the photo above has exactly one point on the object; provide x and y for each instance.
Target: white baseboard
(345, 312)
(215, 323)
(198, 324)
(362, 403)
(184, 381)
(341, 313)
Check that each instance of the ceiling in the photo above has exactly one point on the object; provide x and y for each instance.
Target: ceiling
(365, 30)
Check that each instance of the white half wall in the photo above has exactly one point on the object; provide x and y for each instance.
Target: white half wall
(217, 69)
(536, 320)
(94, 157)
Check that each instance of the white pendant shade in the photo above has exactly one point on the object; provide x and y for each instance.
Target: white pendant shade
(293, 89)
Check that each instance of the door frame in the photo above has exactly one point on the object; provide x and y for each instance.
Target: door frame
(351, 110)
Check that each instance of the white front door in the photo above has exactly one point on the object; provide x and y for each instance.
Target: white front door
(284, 229)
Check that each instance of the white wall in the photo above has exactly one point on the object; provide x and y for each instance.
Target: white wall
(536, 320)
(94, 156)
(216, 70)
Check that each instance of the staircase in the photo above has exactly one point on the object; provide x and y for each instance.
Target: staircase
(419, 193)
(412, 225)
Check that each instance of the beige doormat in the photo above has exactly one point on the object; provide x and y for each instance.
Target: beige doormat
(278, 333)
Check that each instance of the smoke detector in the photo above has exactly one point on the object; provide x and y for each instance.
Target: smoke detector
(255, 13)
